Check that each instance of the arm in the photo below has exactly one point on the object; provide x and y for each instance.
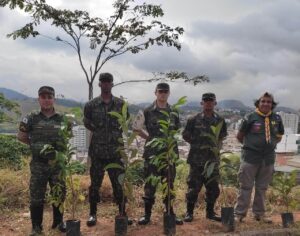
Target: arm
(187, 132)
(240, 136)
(243, 129)
(223, 134)
(24, 127)
(87, 119)
(280, 131)
(23, 137)
(138, 124)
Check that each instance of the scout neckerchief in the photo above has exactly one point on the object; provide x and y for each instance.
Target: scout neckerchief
(267, 123)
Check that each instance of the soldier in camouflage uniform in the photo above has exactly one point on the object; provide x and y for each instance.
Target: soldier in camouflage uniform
(105, 141)
(36, 130)
(150, 117)
(196, 127)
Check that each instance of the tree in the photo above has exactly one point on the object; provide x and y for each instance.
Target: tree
(132, 28)
(170, 77)
(7, 105)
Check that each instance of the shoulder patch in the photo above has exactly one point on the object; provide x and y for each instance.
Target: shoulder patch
(25, 120)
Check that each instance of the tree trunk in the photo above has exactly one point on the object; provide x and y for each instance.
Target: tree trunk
(90, 91)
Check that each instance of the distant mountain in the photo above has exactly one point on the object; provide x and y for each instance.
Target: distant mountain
(286, 110)
(144, 104)
(232, 104)
(224, 104)
(13, 95)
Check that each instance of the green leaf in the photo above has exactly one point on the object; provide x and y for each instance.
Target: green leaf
(114, 166)
(115, 114)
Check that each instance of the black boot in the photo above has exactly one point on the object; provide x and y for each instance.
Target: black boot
(93, 215)
(189, 216)
(210, 214)
(36, 214)
(122, 212)
(144, 220)
(58, 220)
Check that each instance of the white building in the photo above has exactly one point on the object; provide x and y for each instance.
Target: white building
(290, 122)
(288, 143)
(80, 139)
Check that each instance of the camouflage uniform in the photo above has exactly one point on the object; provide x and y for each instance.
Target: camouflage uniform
(42, 130)
(152, 115)
(196, 127)
(105, 141)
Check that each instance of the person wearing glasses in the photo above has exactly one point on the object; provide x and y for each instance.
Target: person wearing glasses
(38, 129)
(260, 131)
(195, 133)
(150, 119)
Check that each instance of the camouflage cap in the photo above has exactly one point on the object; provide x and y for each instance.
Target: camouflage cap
(162, 86)
(46, 89)
(106, 77)
(208, 96)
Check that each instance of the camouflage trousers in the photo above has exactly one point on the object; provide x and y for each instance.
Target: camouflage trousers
(97, 172)
(41, 174)
(149, 189)
(196, 180)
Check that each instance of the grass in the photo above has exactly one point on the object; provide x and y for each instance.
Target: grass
(14, 199)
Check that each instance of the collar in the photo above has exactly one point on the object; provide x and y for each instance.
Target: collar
(155, 107)
(263, 114)
(215, 115)
(111, 101)
(54, 113)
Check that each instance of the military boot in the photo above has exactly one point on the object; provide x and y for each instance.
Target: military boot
(58, 220)
(122, 212)
(144, 220)
(93, 215)
(36, 214)
(189, 216)
(210, 214)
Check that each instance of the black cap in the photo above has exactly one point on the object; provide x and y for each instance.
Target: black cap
(162, 86)
(47, 90)
(107, 77)
(208, 96)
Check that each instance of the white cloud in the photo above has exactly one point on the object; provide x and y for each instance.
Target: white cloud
(245, 47)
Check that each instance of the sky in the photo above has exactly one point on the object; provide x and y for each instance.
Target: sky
(245, 47)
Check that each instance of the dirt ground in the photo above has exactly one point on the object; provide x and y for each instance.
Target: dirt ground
(18, 223)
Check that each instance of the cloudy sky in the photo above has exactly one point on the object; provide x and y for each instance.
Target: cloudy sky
(246, 47)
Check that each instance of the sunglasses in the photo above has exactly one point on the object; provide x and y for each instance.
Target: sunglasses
(162, 91)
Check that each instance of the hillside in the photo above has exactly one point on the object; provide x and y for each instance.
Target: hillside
(12, 94)
(28, 104)
(16, 96)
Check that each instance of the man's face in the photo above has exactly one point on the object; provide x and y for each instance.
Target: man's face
(162, 95)
(265, 104)
(208, 104)
(46, 101)
(106, 86)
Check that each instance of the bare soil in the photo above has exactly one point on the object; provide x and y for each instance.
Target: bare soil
(18, 223)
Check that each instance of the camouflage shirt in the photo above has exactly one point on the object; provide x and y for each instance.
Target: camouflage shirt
(152, 115)
(194, 133)
(42, 130)
(106, 131)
